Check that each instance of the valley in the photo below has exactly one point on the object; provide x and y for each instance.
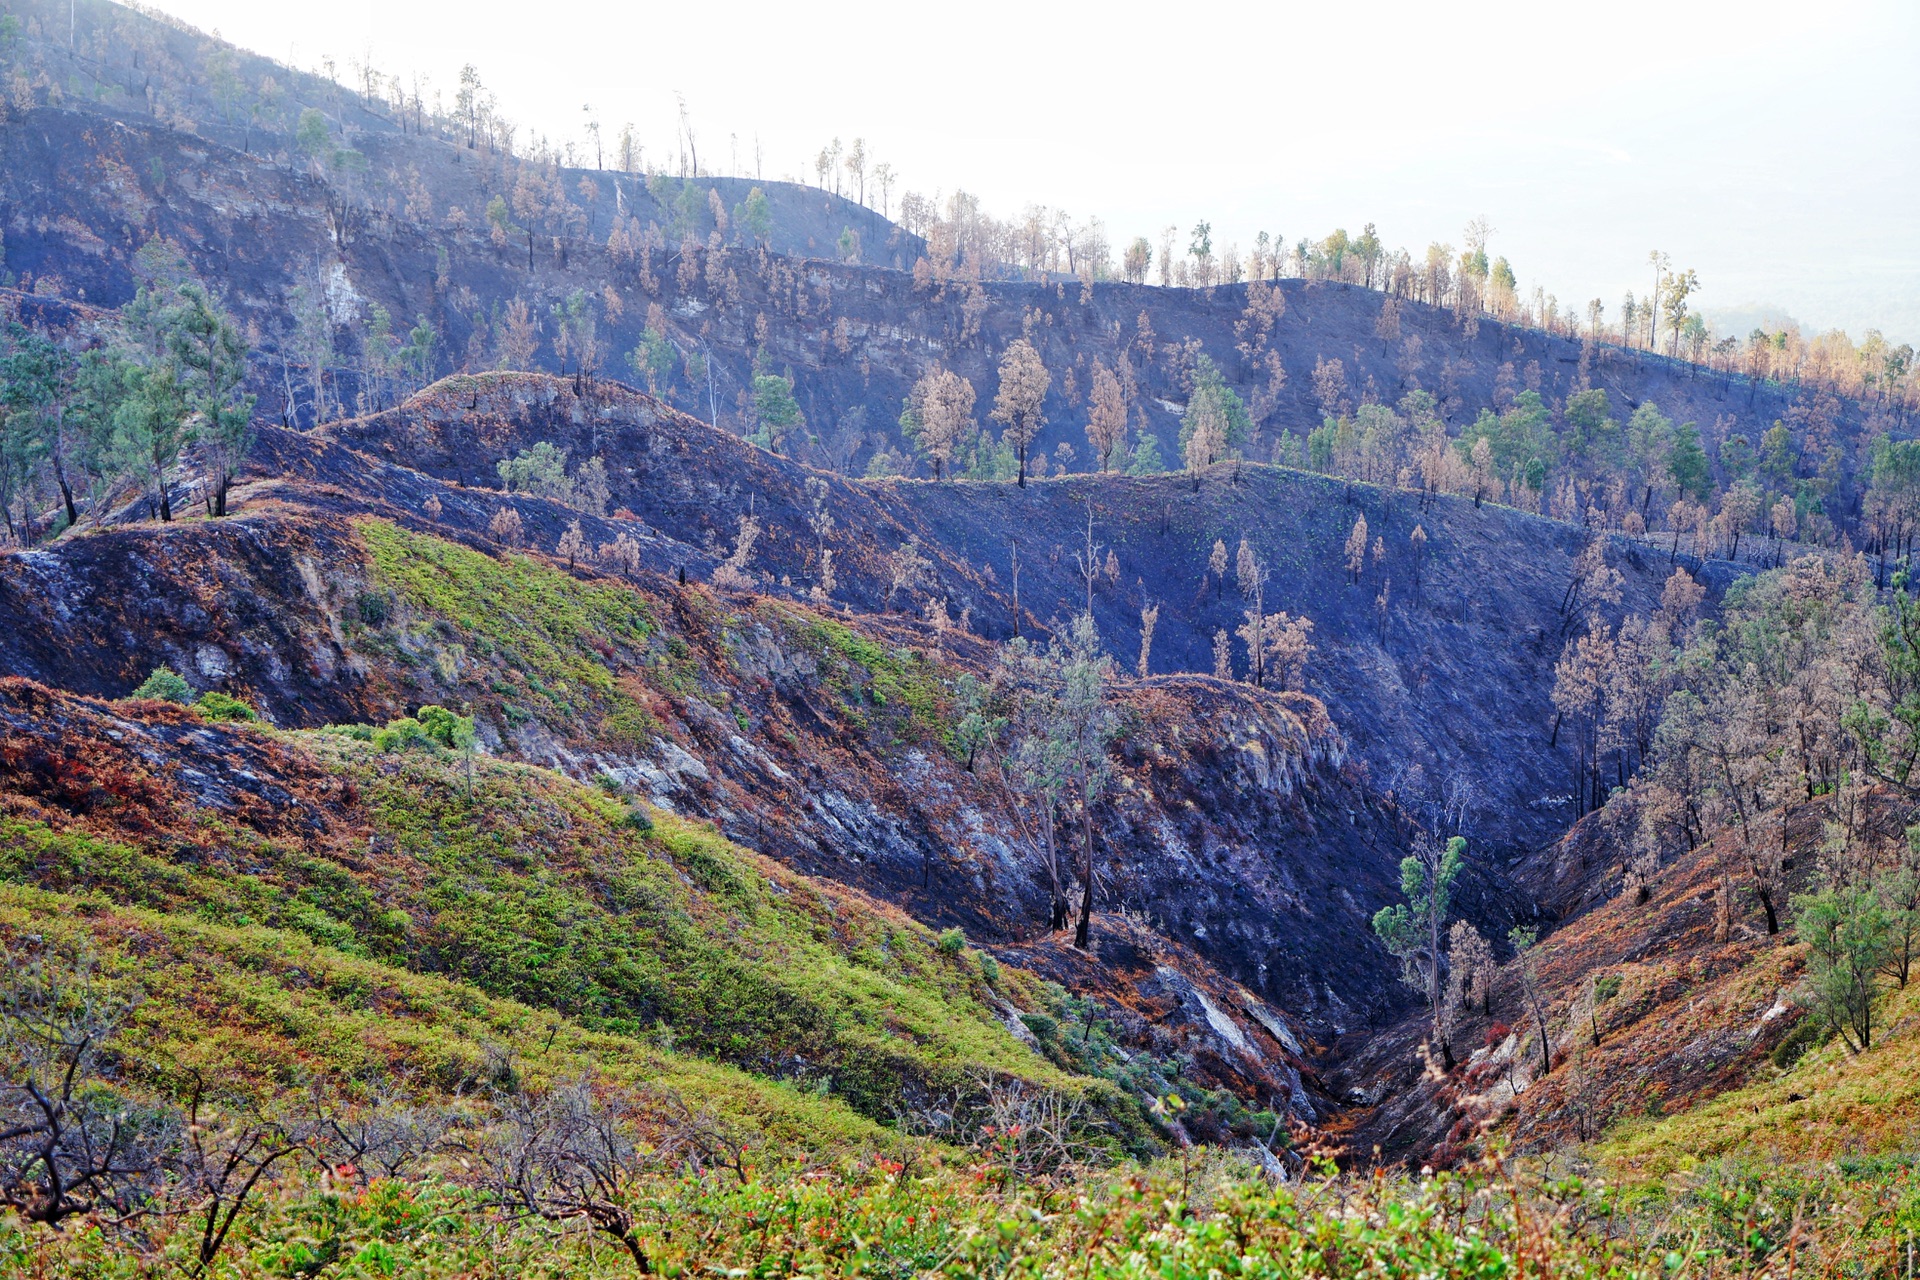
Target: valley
(603, 719)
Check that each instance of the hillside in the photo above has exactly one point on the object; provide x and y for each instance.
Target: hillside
(586, 720)
(317, 615)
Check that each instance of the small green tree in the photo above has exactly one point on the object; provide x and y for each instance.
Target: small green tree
(978, 728)
(775, 411)
(1846, 934)
(540, 471)
(1412, 930)
(654, 359)
(755, 216)
(38, 387)
(1145, 459)
(1216, 423)
(1687, 462)
(212, 354)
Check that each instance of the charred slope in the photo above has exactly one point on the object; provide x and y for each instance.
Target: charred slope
(820, 741)
(80, 192)
(1653, 1007)
(1454, 674)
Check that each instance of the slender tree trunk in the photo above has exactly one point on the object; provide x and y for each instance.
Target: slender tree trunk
(66, 491)
(1057, 920)
(1083, 932)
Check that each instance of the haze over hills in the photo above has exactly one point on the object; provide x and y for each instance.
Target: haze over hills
(562, 702)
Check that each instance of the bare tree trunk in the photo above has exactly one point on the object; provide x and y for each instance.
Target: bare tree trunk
(1083, 932)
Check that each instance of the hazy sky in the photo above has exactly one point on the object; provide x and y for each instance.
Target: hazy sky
(1774, 147)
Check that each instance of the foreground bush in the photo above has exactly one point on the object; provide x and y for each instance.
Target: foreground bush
(877, 1217)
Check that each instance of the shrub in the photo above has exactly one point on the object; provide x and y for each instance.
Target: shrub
(953, 942)
(989, 969)
(638, 819)
(455, 732)
(214, 705)
(165, 685)
(1040, 1024)
(400, 734)
(1809, 1033)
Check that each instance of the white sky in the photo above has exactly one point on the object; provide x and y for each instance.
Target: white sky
(1773, 146)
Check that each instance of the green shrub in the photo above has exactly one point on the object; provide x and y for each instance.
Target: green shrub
(433, 727)
(1040, 1024)
(357, 732)
(455, 732)
(165, 685)
(1810, 1032)
(638, 819)
(214, 705)
(400, 734)
(953, 942)
(990, 969)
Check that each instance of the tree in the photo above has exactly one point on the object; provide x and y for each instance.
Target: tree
(1524, 939)
(1203, 435)
(1412, 930)
(1019, 405)
(164, 684)
(1062, 727)
(977, 728)
(540, 471)
(1145, 460)
(1087, 725)
(573, 544)
(226, 1154)
(1418, 540)
(733, 573)
(1356, 549)
(576, 336)
(654, 358)
(938, 419)
(1687, 462)
(755, 216)
(575, 1154)
(1845, 931)
(1107, 416)
(1470, 967)
(1139, 257)
(775, 411)
(213, 356)
(39, 388)
(150, 428)
(507, 527)
(1149, 618)
(1680, 284)
(1215, 422)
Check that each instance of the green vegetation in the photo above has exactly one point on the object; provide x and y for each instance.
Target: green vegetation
(164, 388)
(544, 642)
(164, 685)
(539, 890)
(899, 689)
(214, 705)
